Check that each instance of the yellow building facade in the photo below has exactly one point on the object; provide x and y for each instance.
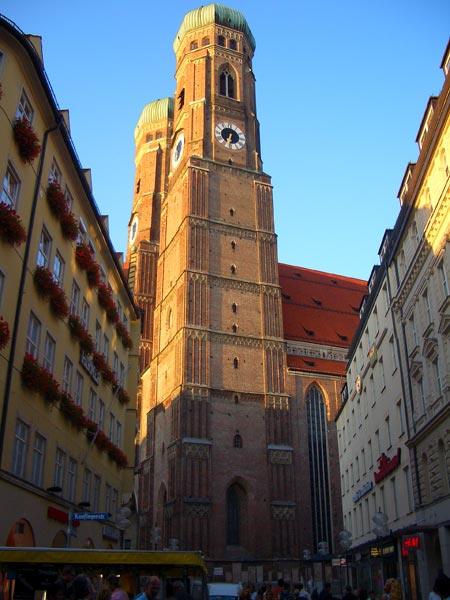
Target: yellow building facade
(69, 329)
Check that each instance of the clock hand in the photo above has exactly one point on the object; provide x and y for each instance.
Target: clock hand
(229, 138)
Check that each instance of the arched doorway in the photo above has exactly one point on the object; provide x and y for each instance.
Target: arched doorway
(21, 534)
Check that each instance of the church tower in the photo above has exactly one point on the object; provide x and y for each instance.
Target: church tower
(215, 439)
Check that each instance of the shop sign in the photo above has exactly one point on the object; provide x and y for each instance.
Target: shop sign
(88, 366)
(61, 516)
(386, 465)
(410, 542)
(109, 533)
(374, 551)
(363, 491)
(388, 550)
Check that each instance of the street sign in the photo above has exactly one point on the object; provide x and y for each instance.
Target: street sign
(91, 516)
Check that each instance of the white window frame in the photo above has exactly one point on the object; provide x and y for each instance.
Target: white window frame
(44, 249)
(96, 493)
(38, 459)
(101, 414)
(48, 359)
(85, 313)
(86, 486)
(11, 186)
(92, 406)
(67, 377)
(72, 472)
(55, 173)
(25, 108)
(20, 451)
(58, 268)
(60, 468)
(75, 296)
(33, 336)
(78, 391)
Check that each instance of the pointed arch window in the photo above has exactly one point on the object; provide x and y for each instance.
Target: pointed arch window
(227, 84)
(236, 362)
(235, 508)
(316, 415)
(237, 440)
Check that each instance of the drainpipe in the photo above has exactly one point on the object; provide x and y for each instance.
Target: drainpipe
(407, 378)
(17, 317)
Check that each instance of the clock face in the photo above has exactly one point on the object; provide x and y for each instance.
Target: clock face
(133, 229)
(178, 150)
(230, 136)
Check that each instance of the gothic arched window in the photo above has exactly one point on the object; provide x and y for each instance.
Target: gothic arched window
(227, 87)
(316, 418)
(235, 514)
(237, 440)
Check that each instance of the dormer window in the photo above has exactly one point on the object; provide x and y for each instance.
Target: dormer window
(226, 81)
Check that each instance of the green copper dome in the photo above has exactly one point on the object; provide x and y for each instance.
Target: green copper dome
(153, 112)
(214, 13)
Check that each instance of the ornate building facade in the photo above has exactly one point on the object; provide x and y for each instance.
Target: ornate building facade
(68, 323)
(241, 370)
(395, 420)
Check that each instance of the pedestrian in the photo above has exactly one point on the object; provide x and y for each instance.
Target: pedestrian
(442, 586)
(348, 595)
(325, 594)
(302, 593)
(117, 593)
(152, 588)
(81, 588)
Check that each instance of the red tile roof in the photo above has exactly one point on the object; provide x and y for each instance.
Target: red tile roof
(316, 365)
(320, 308)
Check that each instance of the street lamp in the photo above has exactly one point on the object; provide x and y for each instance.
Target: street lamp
(123, 523)
(345, 541)
(381, 524)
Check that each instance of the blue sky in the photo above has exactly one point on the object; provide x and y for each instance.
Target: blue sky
(341, 91)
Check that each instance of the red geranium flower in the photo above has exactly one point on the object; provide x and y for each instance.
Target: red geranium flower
(4, 333)
(27, 140)
(11, 228)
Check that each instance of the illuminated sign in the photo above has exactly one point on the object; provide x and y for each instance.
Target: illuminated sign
(410, 542)
(374, 551)
(363, 491)
(89, 367)
(386, 465)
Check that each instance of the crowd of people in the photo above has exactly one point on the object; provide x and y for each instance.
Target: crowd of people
(392, 590)
(70, 586)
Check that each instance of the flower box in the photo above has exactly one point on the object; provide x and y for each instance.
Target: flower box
(123, 396)
(122, 332)
(56, 199)
(99, 361)
(84, 256)
(118, 457)
(91, 428)
(69, 226)
(101, 441)
(27, 140)
(4, 333)
(79, 332)
(49, 289)
(11, 228)
(38, 379)
(71, 411)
